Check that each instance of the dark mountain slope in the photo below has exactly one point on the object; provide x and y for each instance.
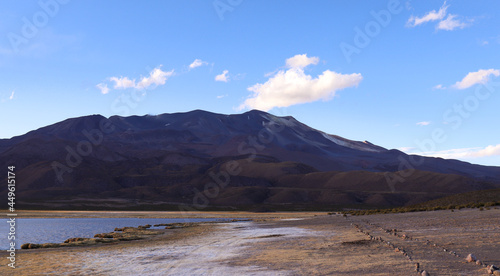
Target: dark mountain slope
(162, 161)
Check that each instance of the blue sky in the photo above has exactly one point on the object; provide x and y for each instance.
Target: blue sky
(420, 76)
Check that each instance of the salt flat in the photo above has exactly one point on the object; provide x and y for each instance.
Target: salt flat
(315, 245)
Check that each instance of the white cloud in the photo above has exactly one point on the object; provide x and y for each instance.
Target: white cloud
(423, 123)
(438, 87)
(222, 77)
(406, 149)
(480, 77)
(221, 96)
(451, 23)
(156, 77)
(122, 82)
(293, 86)
(430, 16)
(301, 61)
(197, 63)
(103, 87)
(462, 153)
(491, 150)
(12, 95)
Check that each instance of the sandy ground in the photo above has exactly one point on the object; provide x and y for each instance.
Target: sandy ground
(313, 245)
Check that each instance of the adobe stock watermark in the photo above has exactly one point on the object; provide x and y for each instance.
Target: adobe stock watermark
(454, 117)
(84, 147)
(122, 105)
(93, 138)
(363, 37)
(126, 102)
(31, 26)
(252, 145)
(223, 6)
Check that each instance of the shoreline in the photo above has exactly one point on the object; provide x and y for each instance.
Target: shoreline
(327, 244)
(161, 214)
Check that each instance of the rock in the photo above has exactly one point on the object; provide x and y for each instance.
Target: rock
(492, 268)
(104, 240)
(33, 246)
(74, 240)
(425, 273)
(471, 258)
(104, 236)
(50, 245)
(44, 245)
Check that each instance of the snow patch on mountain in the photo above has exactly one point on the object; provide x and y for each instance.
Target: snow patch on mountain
(364, 146)
(280, 120)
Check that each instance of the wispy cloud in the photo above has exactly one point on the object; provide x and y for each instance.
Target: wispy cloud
(438, 87)
(103, 87)
(222, 96)
(428, 17)
(452, 21)
(4, 97)
(461, 153)
(222, 77)
(122, 82)
(480, 77)
(197, 63)
(406, 149)
(293, 86)
(156, 78)
(423, 123)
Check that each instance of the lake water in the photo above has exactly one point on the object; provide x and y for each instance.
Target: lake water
(57, 230)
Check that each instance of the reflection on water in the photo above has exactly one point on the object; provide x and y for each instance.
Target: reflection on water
(57, 230)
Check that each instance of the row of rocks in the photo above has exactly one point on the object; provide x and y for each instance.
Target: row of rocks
(396, 248)
(68, 242)
(405, 236)
(491, 269)
(121, 234)
(177, 225)
(471, 258)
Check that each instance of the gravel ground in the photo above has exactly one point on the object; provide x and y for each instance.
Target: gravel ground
(391, 244)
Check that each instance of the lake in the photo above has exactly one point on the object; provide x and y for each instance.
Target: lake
(57, 230)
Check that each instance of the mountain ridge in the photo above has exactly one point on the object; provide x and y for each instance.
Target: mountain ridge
(167, 157)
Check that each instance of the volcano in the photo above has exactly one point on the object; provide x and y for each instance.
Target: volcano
(200, 160)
